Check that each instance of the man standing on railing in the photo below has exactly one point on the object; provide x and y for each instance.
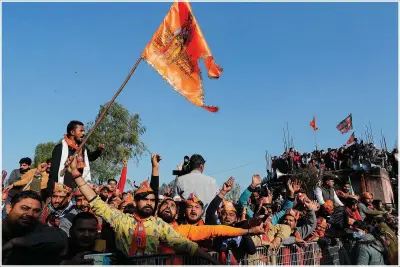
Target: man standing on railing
(68, 146)
(141, 233)
(326, 192)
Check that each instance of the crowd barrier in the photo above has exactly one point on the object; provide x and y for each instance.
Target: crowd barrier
(312, 254)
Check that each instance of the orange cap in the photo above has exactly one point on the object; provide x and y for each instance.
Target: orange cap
(143, 188)
(193, 199)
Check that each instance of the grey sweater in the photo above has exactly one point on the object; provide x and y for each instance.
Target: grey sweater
(305, 230)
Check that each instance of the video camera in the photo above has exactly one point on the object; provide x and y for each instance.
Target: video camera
(185, 167)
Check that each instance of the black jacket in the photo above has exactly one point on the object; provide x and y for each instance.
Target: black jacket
(41, 246)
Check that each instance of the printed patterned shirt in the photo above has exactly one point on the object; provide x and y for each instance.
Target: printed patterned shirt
(157, 231)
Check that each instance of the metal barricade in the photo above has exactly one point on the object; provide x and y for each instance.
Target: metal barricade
(170, 259)
(312, 254)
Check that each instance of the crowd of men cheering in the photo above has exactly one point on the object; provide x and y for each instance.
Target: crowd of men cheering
(83, 219)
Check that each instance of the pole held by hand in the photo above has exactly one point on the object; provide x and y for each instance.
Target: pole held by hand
(66, 164)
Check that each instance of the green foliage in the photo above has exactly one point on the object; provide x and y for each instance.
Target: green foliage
(234, 194)
(120, 132)
(43, 152)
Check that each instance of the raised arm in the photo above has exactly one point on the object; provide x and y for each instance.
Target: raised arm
(155, 176)
(92, 156)
(115, 218)
(244, 197)
(216, 202)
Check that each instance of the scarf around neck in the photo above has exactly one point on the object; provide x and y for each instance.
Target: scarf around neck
(80, 163)
(138, 244)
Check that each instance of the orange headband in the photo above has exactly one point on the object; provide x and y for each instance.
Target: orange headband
(228, 206)
(59, 187)
(294, 213)
(193, 199)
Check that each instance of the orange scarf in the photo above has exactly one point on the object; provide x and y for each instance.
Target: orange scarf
(80, 162)
(138, 244)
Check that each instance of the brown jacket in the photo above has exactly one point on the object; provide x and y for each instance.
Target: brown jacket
(28, 176)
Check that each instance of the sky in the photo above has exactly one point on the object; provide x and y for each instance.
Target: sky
(283, 63)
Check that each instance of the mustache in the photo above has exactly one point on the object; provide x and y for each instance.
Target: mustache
(148, 206)
(27, 218)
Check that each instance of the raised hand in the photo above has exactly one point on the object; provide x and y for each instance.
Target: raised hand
(257, 230)
(72, 168)
(296, 185)
(255, 180)
(227, 186)
(312, 205)
(155, 159)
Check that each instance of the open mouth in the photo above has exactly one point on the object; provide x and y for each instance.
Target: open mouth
(193, 214)
(168, 212)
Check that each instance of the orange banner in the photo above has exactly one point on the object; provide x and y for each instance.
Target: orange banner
(175, 51)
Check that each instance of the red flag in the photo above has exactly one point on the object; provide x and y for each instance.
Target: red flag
(175, 51)
(351, 139)
(122, 179)
(313, 124)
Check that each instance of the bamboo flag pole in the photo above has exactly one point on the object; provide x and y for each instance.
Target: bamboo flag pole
(66, 164)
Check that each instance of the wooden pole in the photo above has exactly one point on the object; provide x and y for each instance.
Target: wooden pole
(66, 164)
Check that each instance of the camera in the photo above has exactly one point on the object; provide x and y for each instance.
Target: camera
(185, 167)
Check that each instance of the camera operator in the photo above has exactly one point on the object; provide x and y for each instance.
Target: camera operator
(205, 187)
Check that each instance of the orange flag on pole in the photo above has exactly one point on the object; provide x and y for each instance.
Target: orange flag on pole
(313, 124)
(175, 51)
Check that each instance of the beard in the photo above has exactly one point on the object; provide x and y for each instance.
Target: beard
(23, 171)
(191, 221)
(146, 211)
(78, 140)
(167, 218)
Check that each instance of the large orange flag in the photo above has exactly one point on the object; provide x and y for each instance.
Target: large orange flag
(175, 51)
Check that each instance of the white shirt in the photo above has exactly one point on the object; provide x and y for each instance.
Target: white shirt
(320, 198)
(205, 187)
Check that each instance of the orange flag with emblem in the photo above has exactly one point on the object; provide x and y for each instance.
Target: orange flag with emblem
(175, 51)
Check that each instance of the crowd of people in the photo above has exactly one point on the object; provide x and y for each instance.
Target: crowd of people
(56, 217)
(357, 155)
